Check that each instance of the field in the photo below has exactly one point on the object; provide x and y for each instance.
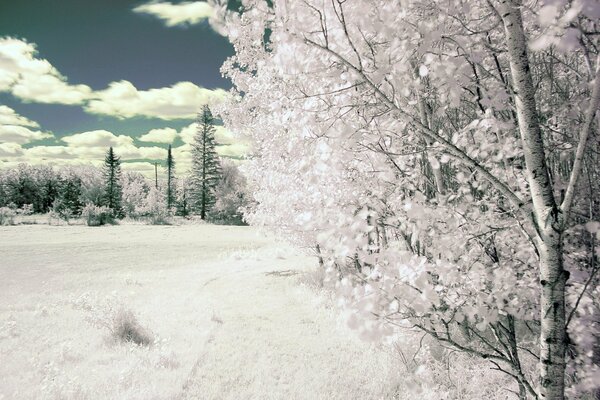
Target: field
(225, 308)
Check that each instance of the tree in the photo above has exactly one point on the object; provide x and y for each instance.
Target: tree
(135, 190)
(112, 181)
(182, 201)
(438, 166)
(205, 165)
(231, 193)
(171, 184)
(69, 203)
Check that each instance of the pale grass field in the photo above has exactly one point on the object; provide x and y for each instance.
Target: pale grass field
(227, 323)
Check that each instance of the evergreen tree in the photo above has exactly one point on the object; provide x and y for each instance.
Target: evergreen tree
(171, 189)
(112, 178)
(68, 203)
(205, 165)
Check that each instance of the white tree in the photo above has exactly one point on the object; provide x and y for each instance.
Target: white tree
(436, 163)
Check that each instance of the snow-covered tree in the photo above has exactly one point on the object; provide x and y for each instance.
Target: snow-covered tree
(205, 165)
(437, 161)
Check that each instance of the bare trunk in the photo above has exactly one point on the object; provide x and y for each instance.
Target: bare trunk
(547, 217)
(553, 329)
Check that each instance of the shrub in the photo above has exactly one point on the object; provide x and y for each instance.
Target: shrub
(97, 216)
(125, 328)
(7, 216)
(112, 314)
(26, 209)
(155, 209)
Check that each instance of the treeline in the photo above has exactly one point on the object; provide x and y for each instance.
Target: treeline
(72, 190)
(214, 189)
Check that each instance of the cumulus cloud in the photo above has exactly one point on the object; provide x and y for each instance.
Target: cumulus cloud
(16, 129)
(180, 101)
(229, 145)
(93, 144)
(21, 134)
(222, 134)
(163, 135)
(143, 167)
(98, 138)
(34, 79)
(8, 116)
(186, 13)
(10, 150)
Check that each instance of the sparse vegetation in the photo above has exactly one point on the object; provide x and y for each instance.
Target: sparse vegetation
(7, 216)
(97, 216)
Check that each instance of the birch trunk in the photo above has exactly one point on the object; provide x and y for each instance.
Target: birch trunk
(547, 217)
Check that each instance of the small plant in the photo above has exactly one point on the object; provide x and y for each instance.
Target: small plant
(112, 315)
(26, 209)
(97, 216)
(125, 328)
(7, 216)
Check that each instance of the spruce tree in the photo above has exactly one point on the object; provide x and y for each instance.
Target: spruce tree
(205, 165)
(112, 178)
(171, 189)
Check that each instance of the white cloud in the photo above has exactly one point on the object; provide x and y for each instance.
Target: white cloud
(34, 79)
(8, 116)
(20, 134)
(186, 13)
(143, 167)
(234, 150)
(16, 130)
(222, 134)
(230, 145)
(98, 138)
(49, 153)
(180, 101)
(93, 145)
(163, 135)
(10, 150)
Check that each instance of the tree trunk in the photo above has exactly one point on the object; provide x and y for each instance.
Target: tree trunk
(553, 329)
(547, 217)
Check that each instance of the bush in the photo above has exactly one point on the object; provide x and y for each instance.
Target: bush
(7, 216)
(155, 209)
(26, 209)
(111, 314)
(125, 328)
(97, 216)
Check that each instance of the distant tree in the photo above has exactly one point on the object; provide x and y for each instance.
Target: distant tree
(49, 191)
(155, 207)
(135, 189)
(69, 201)
(92, 179)
(182, 203)
(22, 188)
(171, 189)
(112, 178)
(232, 195)
(205, 165)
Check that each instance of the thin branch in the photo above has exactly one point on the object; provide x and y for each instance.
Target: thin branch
(587, 127)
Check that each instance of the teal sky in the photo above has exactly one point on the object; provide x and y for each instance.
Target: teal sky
(126, 67)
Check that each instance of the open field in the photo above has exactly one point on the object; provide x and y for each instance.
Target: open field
(227, 315)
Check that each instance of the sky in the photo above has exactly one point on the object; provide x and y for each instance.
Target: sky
(77, 76)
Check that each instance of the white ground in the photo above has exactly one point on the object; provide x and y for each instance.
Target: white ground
(226, 307)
